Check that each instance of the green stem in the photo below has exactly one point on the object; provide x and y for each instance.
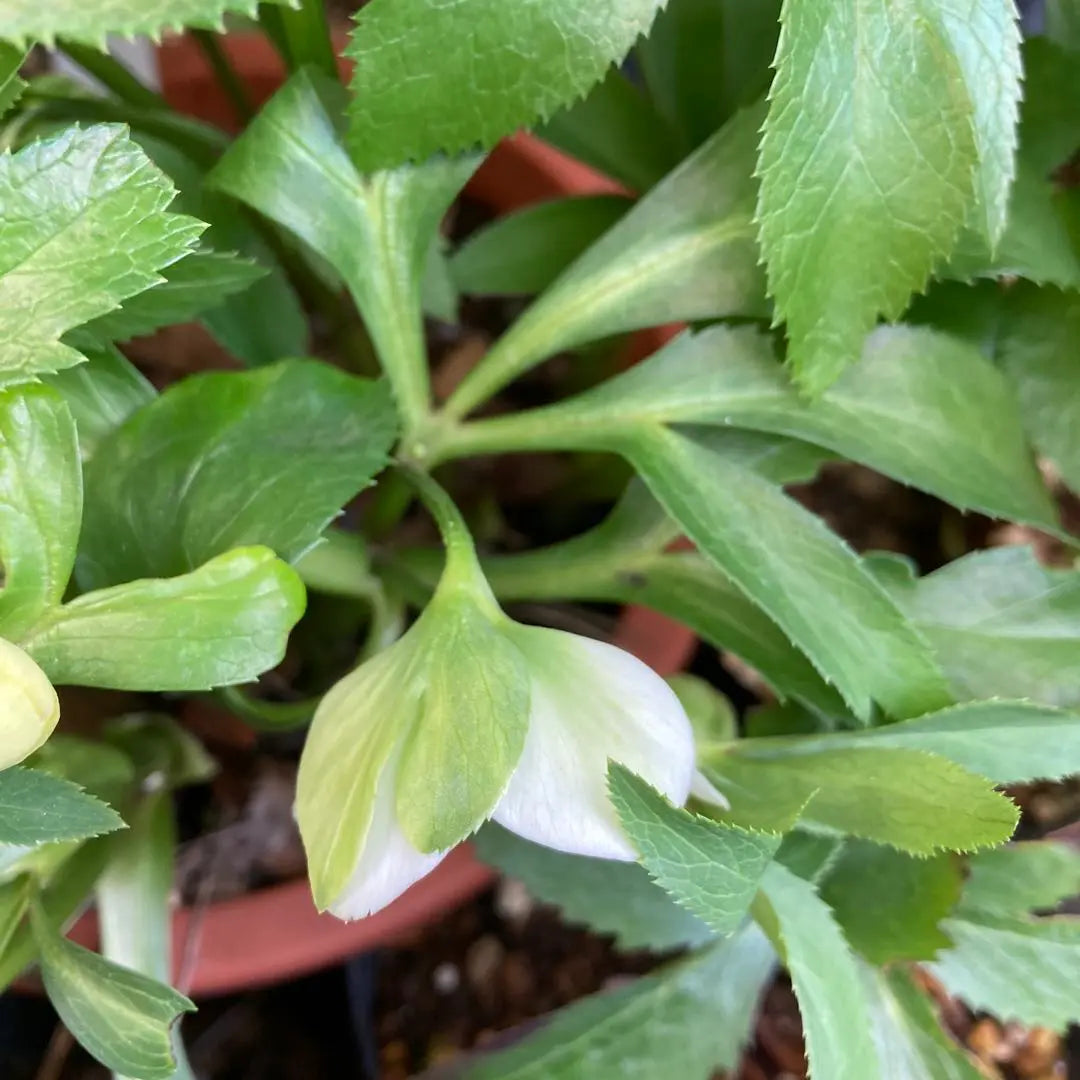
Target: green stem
(202, 143)
(553, 428)
(268, 715)
(225, 74)
(525, 344)
(392, 499)
(462, 564)
(301, 35)
(113, 75)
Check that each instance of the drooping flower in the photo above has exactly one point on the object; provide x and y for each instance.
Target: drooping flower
(472, 716)
(29, 708)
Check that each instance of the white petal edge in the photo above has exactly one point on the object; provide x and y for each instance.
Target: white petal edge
(591, 702)
(703, 788)
(388, 863)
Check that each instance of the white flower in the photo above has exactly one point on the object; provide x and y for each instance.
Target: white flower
(471, 716)
(29, 709)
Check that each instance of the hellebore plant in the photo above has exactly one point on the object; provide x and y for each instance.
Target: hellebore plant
(862, 243)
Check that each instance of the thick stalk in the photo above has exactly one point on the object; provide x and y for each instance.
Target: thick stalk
(301, 35)
(113, 75)
(226, 75)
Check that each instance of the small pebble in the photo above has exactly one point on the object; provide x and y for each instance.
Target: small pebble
(446, 978)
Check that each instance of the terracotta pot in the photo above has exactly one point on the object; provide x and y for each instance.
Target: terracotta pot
(276, 934)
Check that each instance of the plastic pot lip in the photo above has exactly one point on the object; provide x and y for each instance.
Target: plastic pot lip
(274, 934)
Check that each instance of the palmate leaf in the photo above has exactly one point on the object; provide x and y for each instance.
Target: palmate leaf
(1002, 959)
(224, 623)
(89, 21)
(910, 1041)
(896, 410)
(37, 808)
(101, 394)
(686, 250)
(894, 152)
(1000, 623)
(711, 868)
(227, 459)
(910, 799)
(83, 226)
(611, 897)
(476, 70)
(889, 903)
(824, 975)
(11, 84)
(120, 1017)
(1039, 347)
(40, 503)
(787, 561)
(1009, 742)
(687, 1019)
(199, 282)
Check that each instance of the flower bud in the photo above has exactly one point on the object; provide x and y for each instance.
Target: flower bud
(29, 708)
(471, 716)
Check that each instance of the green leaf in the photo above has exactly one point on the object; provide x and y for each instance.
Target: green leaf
(103, 770)
(1063, 23)
(133, 900)
(906, 1030)
(895, 410)
(687, 250)
(121, 1018)
(412, 59)
(794, 568)
(1018, 969)
(11, 84)
(524, 252)
(40, 503)
(1050, 112)
(887, 155)
(711, 869)
(1001, 625)
(984, 39)
(63, 894)
(687, 1019)
(610, 897)
(824, 975)
(621, 561)
(264, 322)
(910, 799)
(38, 808)
(156, 743)
(889, 904)
(375, 231)
(1036, 244)
(83, 227)
(1019, 878)
(199, 281)
(226, 622)
(704, 59)
(1009, 742)
(101, 394)
(1039, 348)
(687, 588)
(228, 459)
(711, 713)
(617, 130)
(90, 20)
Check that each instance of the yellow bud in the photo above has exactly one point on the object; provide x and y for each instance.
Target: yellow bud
(29, 708)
